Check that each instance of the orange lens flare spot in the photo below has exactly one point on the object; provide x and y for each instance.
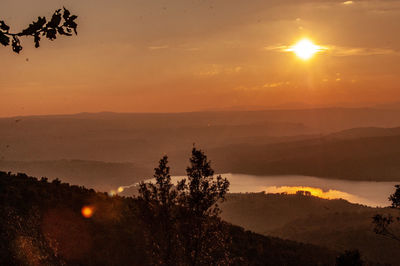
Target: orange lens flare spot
(87, 211)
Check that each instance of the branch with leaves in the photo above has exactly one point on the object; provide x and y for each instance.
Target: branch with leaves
(61, 22)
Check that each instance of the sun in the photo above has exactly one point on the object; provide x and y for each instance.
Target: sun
(305, 49)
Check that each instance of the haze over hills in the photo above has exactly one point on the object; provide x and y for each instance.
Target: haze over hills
(101, 149)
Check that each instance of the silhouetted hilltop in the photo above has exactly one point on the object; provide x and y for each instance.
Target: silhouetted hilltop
(101, 176)
(41, 223)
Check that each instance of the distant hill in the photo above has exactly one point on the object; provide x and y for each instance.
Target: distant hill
(119, 137)
(336, 224)
(388, 106)
(41, 224)
(365, 132)
(141, 138)
(335, 156)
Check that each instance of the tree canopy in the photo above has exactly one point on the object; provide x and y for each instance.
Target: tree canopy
(185, 217)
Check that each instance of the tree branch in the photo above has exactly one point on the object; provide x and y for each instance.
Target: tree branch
(61, 23)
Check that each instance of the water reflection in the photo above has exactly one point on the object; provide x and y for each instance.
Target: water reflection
(368, 193)
(363, 192)
(317, 192)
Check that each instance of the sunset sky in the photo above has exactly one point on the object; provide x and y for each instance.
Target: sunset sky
(189, 55)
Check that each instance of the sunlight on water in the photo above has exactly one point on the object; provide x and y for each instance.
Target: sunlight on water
(317, 192)
(362, 192)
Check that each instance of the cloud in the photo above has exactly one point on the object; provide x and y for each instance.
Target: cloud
(279, 48)
(360, 51)
(214, 69)
(158, 47)
(341, 50)
(348, 3)
(276, 84)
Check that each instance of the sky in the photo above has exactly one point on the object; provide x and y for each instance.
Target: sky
(191, 55)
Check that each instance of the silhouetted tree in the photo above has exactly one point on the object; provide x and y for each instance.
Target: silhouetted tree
(349, 258)
(202, 234)
(61, 22)
(183, 223)
(384, 224)
(160, 203)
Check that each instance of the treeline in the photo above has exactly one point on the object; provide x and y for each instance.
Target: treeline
(41, 224)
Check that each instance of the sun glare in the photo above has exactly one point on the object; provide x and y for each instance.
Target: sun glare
(305, 49)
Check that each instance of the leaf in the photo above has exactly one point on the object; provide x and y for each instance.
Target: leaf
(34, 27)
(37, 40)
(62, 31)
(51, 34)
(16, 45)
(3, 26)
(70, 23)
(55, 20)
(66, 14)
(4, 39)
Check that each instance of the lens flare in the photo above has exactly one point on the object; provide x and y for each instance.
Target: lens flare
(87, 211)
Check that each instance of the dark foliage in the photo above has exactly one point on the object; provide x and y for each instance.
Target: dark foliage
(61, 23)
(186, 217)
(349, 258)
(202, 234)
(159, 211)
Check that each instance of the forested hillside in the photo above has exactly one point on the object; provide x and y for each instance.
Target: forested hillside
(336, 224)
(41, 223)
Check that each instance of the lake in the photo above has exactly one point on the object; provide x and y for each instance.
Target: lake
(370, 193)
(363, 192)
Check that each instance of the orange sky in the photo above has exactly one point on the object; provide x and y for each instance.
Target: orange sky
(187, 55)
